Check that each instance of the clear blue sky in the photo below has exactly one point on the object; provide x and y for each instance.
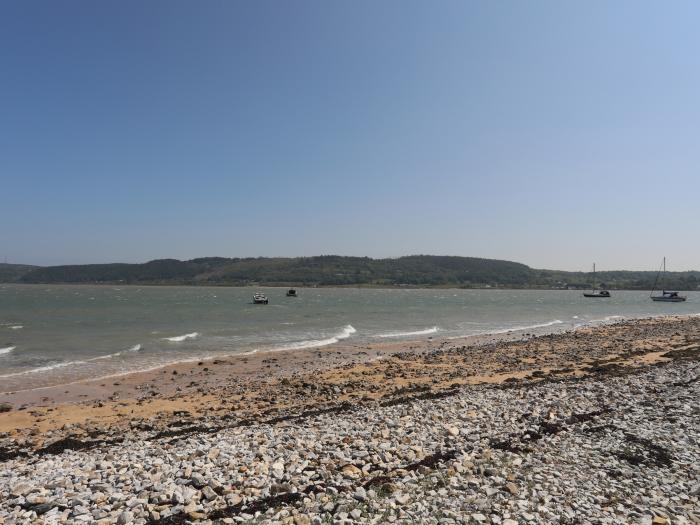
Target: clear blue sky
(550, 133)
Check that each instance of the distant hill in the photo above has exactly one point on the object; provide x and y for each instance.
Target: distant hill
(335, 270)
(10, 273)
(326, 270)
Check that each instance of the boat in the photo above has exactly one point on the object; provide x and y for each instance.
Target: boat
(666, 295)
(292, 293)
(600, 294)
(260, 298)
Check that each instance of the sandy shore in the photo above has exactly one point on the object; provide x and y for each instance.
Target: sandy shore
(254, 386)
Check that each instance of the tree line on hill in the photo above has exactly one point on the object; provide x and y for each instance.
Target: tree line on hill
(333, 270)
(10, 273)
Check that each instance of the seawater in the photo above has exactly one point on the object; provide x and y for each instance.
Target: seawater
(57, 334)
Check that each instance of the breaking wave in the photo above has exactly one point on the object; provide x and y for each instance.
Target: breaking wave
(427, 331)
(315, 343)
(133, 349)
(7, 350)
(180, 338)
(63, 364)
(44, 368)
(526, 327)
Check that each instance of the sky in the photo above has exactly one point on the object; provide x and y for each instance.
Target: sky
(549, 133)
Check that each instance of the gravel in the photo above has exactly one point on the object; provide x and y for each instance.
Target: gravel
(603, 450)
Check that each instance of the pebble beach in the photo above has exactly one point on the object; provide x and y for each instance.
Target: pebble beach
(598, 425)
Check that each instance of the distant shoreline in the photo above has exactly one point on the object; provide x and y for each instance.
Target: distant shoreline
(332, 286)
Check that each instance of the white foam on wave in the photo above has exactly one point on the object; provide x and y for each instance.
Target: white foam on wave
(63, 364)
(427, 331)
(527, 327)
(46, 368)
(16, 327)
(133, 349)
(180, 338)
(7, 350)
(346, 332)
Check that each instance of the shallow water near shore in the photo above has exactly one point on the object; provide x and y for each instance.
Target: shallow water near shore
(57, 334)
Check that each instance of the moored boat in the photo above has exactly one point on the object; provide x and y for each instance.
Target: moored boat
(260, 298)
(669, 297)
(600, 294)
(666, 295)
(597, 293)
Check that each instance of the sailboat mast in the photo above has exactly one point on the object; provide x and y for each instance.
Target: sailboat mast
(663, 277)
(657, 278)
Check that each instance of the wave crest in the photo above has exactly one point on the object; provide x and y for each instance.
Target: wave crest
(7, 350)
(133, 349)
(427, 331)
(180, 338)
(44, 368)
(346, 332)
(528, 327)
(63, 364)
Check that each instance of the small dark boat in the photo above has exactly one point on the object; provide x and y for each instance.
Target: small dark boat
(292, 293)
(666, 296)
(597, 293)
(260, 298)
(600, 294)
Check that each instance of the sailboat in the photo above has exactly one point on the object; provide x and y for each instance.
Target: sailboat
(666, 296)
(596, 293)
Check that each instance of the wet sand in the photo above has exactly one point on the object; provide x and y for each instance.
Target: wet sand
(273, 385)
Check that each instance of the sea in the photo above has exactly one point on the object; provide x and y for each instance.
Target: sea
(51, 335)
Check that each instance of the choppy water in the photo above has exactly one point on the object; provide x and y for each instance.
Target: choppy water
(57, 334)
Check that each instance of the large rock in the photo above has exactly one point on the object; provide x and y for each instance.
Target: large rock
(512, 488)
(209, 493)
(360, 494)
(351, 471)
(21, 489)
(198, 480)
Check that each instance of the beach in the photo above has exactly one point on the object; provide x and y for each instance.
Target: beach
(339, 263)
(599, 423)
